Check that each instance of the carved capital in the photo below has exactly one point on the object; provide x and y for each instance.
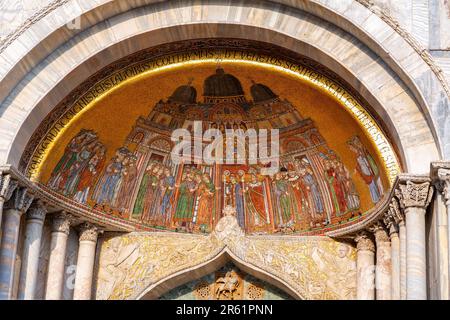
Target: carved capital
(379, 231)
(444, 183)
(7, 186)
(364, 241)
(88, 232)
(414, 194)
(20, 200)
(37, 211)
(62, 222)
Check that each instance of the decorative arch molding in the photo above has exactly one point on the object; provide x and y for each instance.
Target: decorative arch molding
(369, 25)
(175, 280)
(57, 75)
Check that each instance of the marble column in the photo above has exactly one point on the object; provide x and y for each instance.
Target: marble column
(14, 208)
(392, 219)
(7, 187)
(85, 263)
(383, 262)
(443, 175)
(415, 194)
(365, 265)
(31, 247)
(58, 247)
(402, 237)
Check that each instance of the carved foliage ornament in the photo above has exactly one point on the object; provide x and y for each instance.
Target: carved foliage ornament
(88, 232)
(364, 242)
(37, 212)
(379, 231)
(444, 177)
(414, 194)
(7, 186)
(20, 200)
(61, 223)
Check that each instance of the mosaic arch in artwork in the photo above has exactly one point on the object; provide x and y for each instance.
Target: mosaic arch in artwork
(114, 157)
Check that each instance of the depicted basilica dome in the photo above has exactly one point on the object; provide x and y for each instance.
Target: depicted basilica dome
(222, 84)
(261, 92)
(185, 94)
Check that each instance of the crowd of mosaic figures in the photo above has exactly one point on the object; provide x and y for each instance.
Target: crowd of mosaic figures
(305, 193)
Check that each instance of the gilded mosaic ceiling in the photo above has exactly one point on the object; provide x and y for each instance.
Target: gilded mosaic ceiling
(112, 153)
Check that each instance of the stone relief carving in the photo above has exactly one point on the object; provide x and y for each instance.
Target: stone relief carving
(314, 267)
(415, 194)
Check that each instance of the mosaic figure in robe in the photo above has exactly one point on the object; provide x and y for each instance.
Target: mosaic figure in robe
(256, 206)
(367, 168)
(89, 174)
(152, 191)
(62, 169)
(206, 192)
(138, 209)
(106, 189)
(335, 187)
(130, 173)
(313, 193)
(167, 191)
(234, 196)
(300, 203)
(283, 200)
(186, 198)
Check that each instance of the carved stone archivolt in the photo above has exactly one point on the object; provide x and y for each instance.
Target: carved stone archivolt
(313, 267)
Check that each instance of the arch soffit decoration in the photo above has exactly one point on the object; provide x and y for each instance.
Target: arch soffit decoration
(211, 29)
(177, 279)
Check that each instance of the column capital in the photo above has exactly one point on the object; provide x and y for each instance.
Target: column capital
(364, 241)
(37, 211)
(20, 200)
(443, 183)
(393, 217)
(88, 232)
(416, 193)
(379, 231)
(7, 186)
(61, 222)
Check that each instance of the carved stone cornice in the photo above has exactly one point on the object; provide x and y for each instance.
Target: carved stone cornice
(364, 241)
(37, 211)
(7, 186)
(88, 232)
(414, 192)
(20, 200)
(61, 222)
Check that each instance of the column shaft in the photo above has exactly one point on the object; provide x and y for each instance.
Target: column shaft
(383, 263)
(8, 250)
(30, 255)
(58, 247)
(85, 263)
(416, 267)
(365, 267)
(402, 237)
(395, 265)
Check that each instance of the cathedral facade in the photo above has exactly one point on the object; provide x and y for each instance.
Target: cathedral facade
(225, 151)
